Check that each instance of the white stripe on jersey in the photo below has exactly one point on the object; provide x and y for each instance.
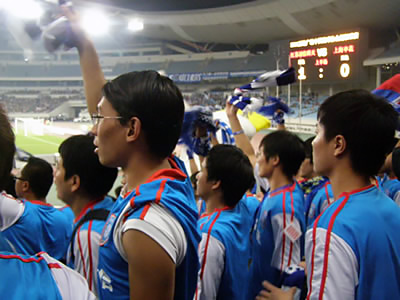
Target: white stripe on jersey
(290, 257)
(86, 261)
(396, 198)
(342, 275)
(214, 265)
(71, 285)
(160, 225)
(11, 210)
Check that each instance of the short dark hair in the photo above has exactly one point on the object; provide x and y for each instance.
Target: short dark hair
(79, 158)
(232, 167)
(156, 101)
(39, 174)
(7, 148)
(308, 148)
(366, 121)
(288, 147)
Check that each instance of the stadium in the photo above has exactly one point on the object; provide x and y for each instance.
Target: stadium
(210, 50)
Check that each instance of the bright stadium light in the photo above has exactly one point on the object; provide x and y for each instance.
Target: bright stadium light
(135, 25)
(95, 22)
(24, 9)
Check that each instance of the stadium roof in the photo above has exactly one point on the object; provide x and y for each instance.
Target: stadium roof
(252, 21)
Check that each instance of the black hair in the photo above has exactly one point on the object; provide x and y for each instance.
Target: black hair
(79, 158)
(39, 174)
(7, 149)
(193, 179)
(288, 147)
(232, 167)
(308, 148)
(156, 101)
(366, 121)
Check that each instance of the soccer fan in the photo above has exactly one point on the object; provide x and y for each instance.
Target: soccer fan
(388, 181)
(23, 276)
(276, 238)
(225, 177)
(83, 183)
(29, 223)
(34, 180)
(317, 189)
(149, 244)
(353, 247)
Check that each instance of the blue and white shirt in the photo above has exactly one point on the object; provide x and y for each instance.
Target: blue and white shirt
(163, 208)
(87, 243)
(34, 226)
(353, 248)
(40, 277)
(279, 218)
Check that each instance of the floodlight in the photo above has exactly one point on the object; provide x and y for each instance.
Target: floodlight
(95, 22)
(24, 9)
(135, 25)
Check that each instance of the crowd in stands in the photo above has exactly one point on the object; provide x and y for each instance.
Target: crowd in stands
(37, 101)
(286, 219)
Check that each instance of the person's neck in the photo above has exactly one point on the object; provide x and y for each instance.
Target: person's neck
(346, 180)
(79, 203)
(278, 179)
(214, 202)
(32, 197)
(141, 167)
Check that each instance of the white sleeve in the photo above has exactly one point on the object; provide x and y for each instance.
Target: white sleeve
(71, 285)
(292, 251)
(86, 254)
(160, 225)
(11, 210)
(396, 198)
(341, 276)
(212, 265)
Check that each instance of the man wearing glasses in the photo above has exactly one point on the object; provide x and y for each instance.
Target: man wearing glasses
(149, 243)
(29, 223)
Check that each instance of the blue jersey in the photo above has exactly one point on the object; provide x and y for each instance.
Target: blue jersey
(39, 277)
(224, 253)
(251, 203)
(275, 240)
(24, 277)
(68, 212)
(86, 243)
(169, 188)
(319, 200)
(391, 187)
(36, 226)
(353, 248)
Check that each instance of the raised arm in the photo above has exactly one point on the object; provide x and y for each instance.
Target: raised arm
(92, 73)
(242, 141)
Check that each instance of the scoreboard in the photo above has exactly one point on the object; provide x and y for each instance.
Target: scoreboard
(330, 58)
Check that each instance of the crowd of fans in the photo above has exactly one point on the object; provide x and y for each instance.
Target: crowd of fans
(286, 219)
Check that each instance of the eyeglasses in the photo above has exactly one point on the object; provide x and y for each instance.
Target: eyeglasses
(20, 178)
(96, 118)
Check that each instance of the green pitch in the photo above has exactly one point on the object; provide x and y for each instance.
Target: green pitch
(38, 144)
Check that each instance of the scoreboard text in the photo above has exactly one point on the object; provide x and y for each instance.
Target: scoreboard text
(326, 58)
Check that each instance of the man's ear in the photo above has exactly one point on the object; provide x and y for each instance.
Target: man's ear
(134, 129)
(339, 145)
(75, 183)
(275, 160)
(25, 186)
(216, 185)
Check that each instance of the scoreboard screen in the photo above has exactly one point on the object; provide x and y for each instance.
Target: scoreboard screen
(330, 58)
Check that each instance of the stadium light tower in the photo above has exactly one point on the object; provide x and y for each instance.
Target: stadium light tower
(135, 25)
(24, 9)
(95, 22)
